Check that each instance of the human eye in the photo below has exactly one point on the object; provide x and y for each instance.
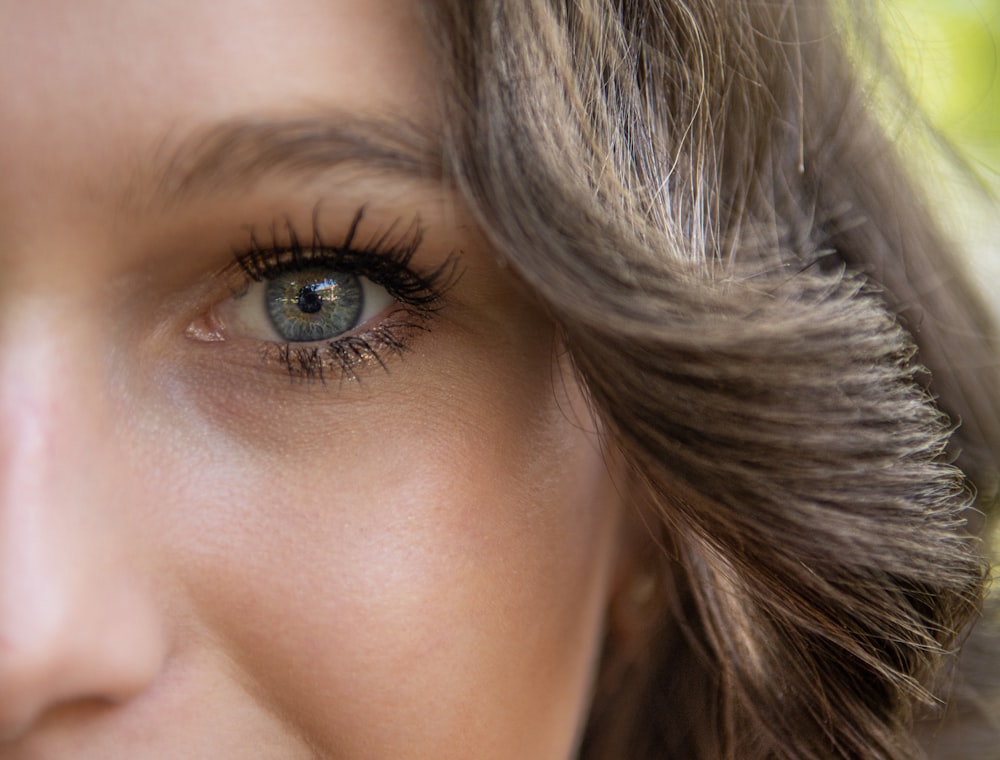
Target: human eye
(316, 308)
(315, 303)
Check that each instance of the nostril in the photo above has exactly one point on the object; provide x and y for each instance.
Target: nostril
(78, 624)
(77, 661)
(21, 700)
(19, 733)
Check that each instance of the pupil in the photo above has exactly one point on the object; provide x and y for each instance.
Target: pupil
(309, 300)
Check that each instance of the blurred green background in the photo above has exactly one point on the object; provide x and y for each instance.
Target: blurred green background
(950, 53)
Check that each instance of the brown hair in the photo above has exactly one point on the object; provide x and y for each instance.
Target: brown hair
(764, 315)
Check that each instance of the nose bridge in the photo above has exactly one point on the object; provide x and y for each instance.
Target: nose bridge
(27, 422)
(71, 625)
(47, 432)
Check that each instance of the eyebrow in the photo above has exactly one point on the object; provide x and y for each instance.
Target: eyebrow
(234, 154)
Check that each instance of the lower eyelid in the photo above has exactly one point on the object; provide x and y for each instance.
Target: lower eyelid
(348, 357)
(386, 330)
(344, 358)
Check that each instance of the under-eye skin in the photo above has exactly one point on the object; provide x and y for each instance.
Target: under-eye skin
(322, 310)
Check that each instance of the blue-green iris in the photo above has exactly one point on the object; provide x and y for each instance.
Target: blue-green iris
(313, 304)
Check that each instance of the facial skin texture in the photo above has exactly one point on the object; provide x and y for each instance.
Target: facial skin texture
(201, 555)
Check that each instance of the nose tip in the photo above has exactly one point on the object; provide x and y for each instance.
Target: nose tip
(56, 652)
(69, 631)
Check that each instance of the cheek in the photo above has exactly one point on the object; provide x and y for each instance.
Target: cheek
(430, 569)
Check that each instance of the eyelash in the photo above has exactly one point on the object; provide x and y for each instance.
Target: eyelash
(385, 259)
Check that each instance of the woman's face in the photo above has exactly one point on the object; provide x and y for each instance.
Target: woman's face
(288, 466)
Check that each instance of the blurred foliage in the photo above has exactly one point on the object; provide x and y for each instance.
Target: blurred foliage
(949, 51)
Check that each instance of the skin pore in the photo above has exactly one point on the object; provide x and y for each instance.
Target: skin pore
(213, 544)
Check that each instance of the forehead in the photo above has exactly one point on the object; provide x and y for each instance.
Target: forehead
(90, 88)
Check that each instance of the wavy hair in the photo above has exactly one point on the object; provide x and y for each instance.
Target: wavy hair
(799, 377)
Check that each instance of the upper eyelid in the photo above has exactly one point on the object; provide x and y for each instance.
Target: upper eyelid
(385, 257)
(291, 248)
